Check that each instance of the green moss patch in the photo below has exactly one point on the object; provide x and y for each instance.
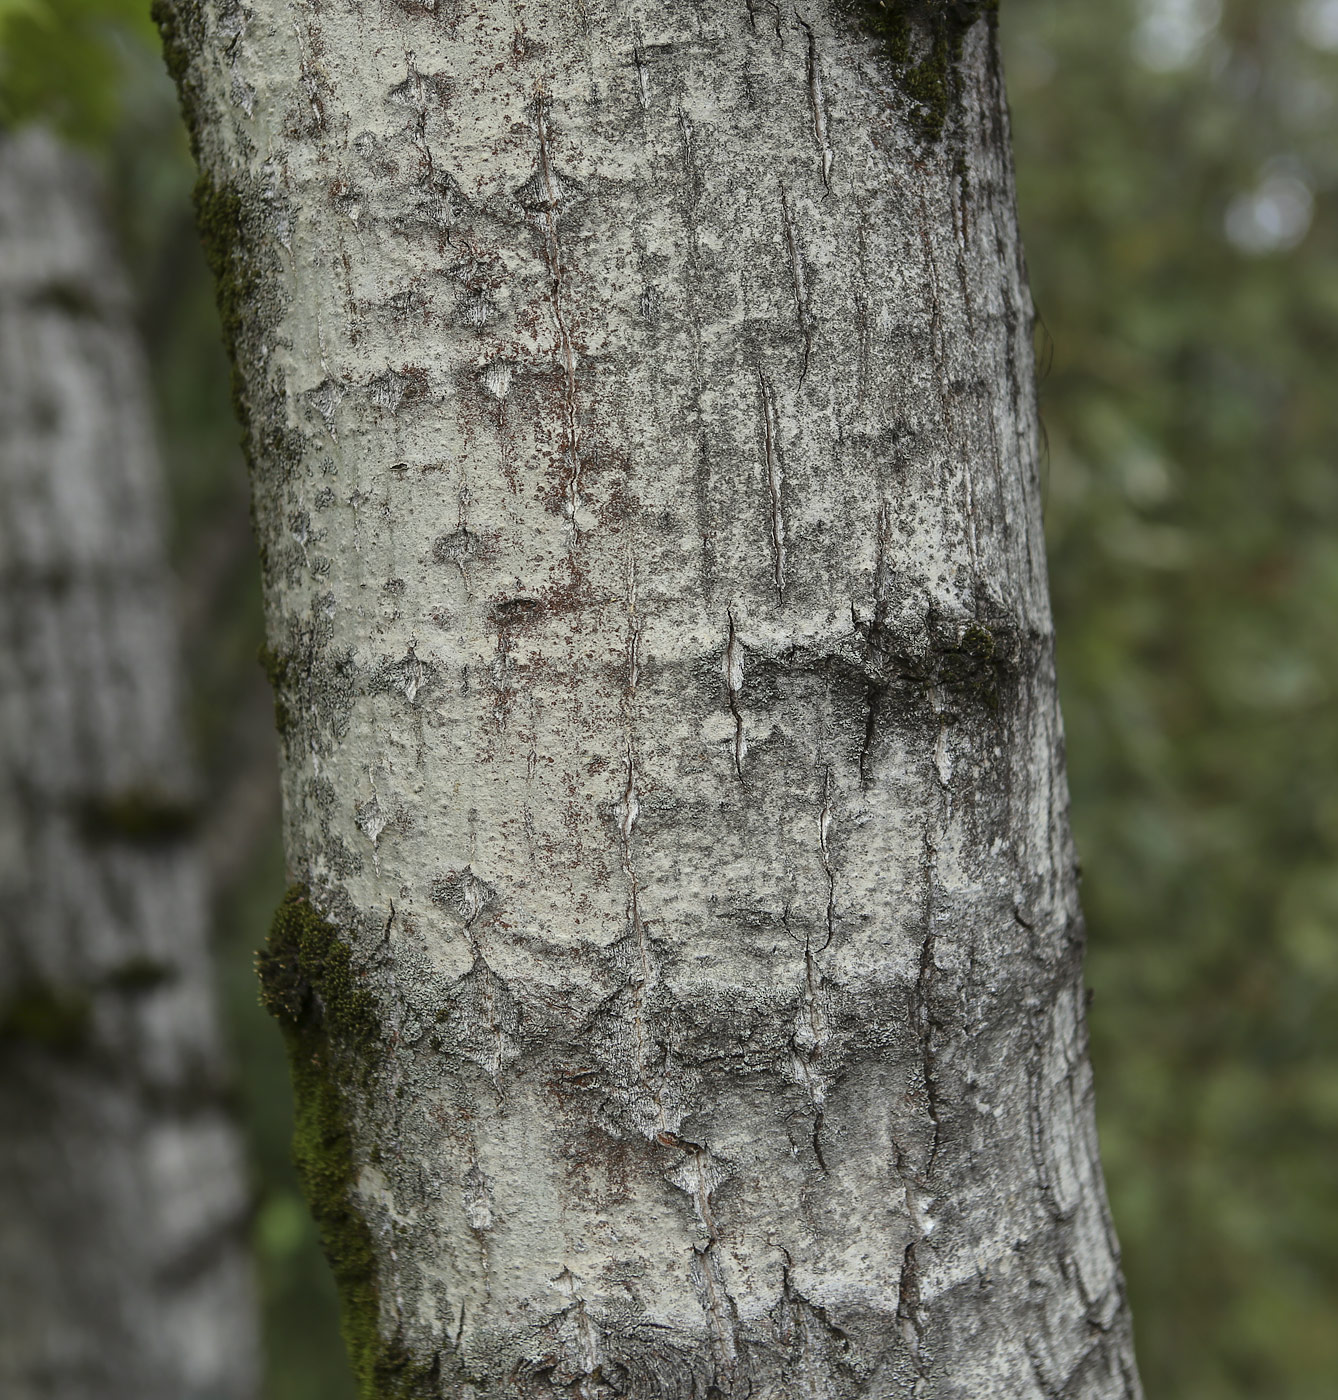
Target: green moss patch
(309, 984)
(973, 669)
(922, 42)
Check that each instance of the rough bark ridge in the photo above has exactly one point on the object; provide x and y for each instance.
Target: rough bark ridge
(686, 997)
(123, 1265)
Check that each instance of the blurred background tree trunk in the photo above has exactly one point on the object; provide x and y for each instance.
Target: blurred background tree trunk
(124, 1267)
(684, 982)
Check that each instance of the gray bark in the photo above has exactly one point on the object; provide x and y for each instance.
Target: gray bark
(641, 410)
(123, 1200)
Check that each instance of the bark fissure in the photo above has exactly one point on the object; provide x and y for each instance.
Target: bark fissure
(771, 460)
(800, 299)
(733, 671)
(551, 197)
(818, 100)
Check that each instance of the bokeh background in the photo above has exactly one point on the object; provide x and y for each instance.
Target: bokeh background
(1178, 181)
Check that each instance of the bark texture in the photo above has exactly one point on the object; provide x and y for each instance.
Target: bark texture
(123, 1203)
(686, 994)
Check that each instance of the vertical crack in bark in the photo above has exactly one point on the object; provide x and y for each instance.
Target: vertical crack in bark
(808, 1042)
(733, 671)
(876, 690)
(945, 394)
(720, 1308)
(800, 283)
(463, 547)
(1035, 1135)
(814, 1040)
(824, 842)
(494, 1024)
(417, 92)
(702, 1191)
(636, 627)
(935, 312)
(472, 894)
(926, 1023)
(720, 1305)
(908, 1303)
(310, 82)
(862, 324)
(395, 1020)
(811, 1034)
(910, 1310)
(775, 479)
(943, 761)
(550, 188)
(501, 666)
(692, 181)
(961, 249)
(693, 1177)
(629, 809)
(818, 101)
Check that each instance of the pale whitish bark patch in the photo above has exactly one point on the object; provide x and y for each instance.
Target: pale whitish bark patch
(712, 517)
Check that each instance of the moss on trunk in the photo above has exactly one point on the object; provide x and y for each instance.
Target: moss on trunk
(922, 41)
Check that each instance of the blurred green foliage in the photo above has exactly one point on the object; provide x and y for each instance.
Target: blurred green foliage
(1177, 167)
(64, 62)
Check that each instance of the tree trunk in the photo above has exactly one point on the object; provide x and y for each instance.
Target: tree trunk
(685, 999)
(123, 1201)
